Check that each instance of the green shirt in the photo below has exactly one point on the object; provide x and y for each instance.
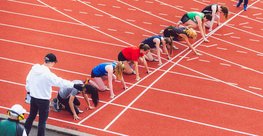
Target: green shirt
(192, 15)
(9, 127)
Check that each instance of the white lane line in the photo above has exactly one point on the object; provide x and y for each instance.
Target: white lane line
(227, 83)
(148, 23)
(224, 64)
(248, 27)
(244, 52)
(165, 91)
(131, 9)
(245, 31)
(72, 123)
(257, 14)
(228, 33)
(254, 40)
(68, 10)
(128, 32)
(116, 18)
(212, 45)
(130, 20)
(194, 58)
(235, 37)
(83, 12)
(202, 60)
(115, 38)
(116, 7)
(220, 48)
(98, 15)
(230, 62)
(27, 3)
(256, 88)
(63, 35)
(242, 47)
(100, 4)
(112, 29)
(245, 23)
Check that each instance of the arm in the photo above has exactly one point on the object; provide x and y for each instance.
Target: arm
(137, 70)
(201, 26)
(71, 105)
(213, 17)
(157, 44)
(109, 69)
(188, 43)
(86, 97)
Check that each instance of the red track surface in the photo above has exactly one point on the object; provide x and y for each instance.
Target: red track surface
(217, 93)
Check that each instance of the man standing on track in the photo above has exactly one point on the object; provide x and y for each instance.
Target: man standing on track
(39, 83)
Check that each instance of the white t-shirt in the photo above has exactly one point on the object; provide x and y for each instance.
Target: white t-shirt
(40, 80)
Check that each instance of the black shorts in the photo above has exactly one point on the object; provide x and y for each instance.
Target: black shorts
(121, 57)
(93, 75)
(185, 18)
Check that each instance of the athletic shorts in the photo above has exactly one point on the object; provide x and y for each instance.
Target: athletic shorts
(185, 18)
(93, 75)
(121, 57)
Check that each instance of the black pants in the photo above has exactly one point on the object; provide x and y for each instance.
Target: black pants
(41, 106)
(66, 104)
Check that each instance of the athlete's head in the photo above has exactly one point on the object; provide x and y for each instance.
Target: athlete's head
(225, 11)
(119, 70)
(93, 91)
(191, 33)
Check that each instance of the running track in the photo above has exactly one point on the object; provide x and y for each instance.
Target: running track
(217, 93)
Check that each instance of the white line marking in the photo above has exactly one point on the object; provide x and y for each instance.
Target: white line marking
(83, 12)
(63, 35)
(194, 58)
(148, 23)
(254, 40)
(249, 27)
(27, 3)
(245, 31)
(112, 29)
(99, 15)
(244, 52)
(261, 18)
(85, 24)
(72, 123)
(224, 64)
(131, 9)
(244, 23)
(212, 45)
(130, 20)
(69, 10)
(242, 47)
(148, 2)
(220, 48)
(102, 4)
(117, 19)
(235, 37)
(129, 32)
(116, 7)
(257, 14)
(204, 60)
(257, 88)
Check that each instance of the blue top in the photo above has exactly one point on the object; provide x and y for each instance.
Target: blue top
(150, 41)
(100, 70)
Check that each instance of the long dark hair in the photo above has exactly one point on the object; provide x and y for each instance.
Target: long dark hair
(93, 91)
